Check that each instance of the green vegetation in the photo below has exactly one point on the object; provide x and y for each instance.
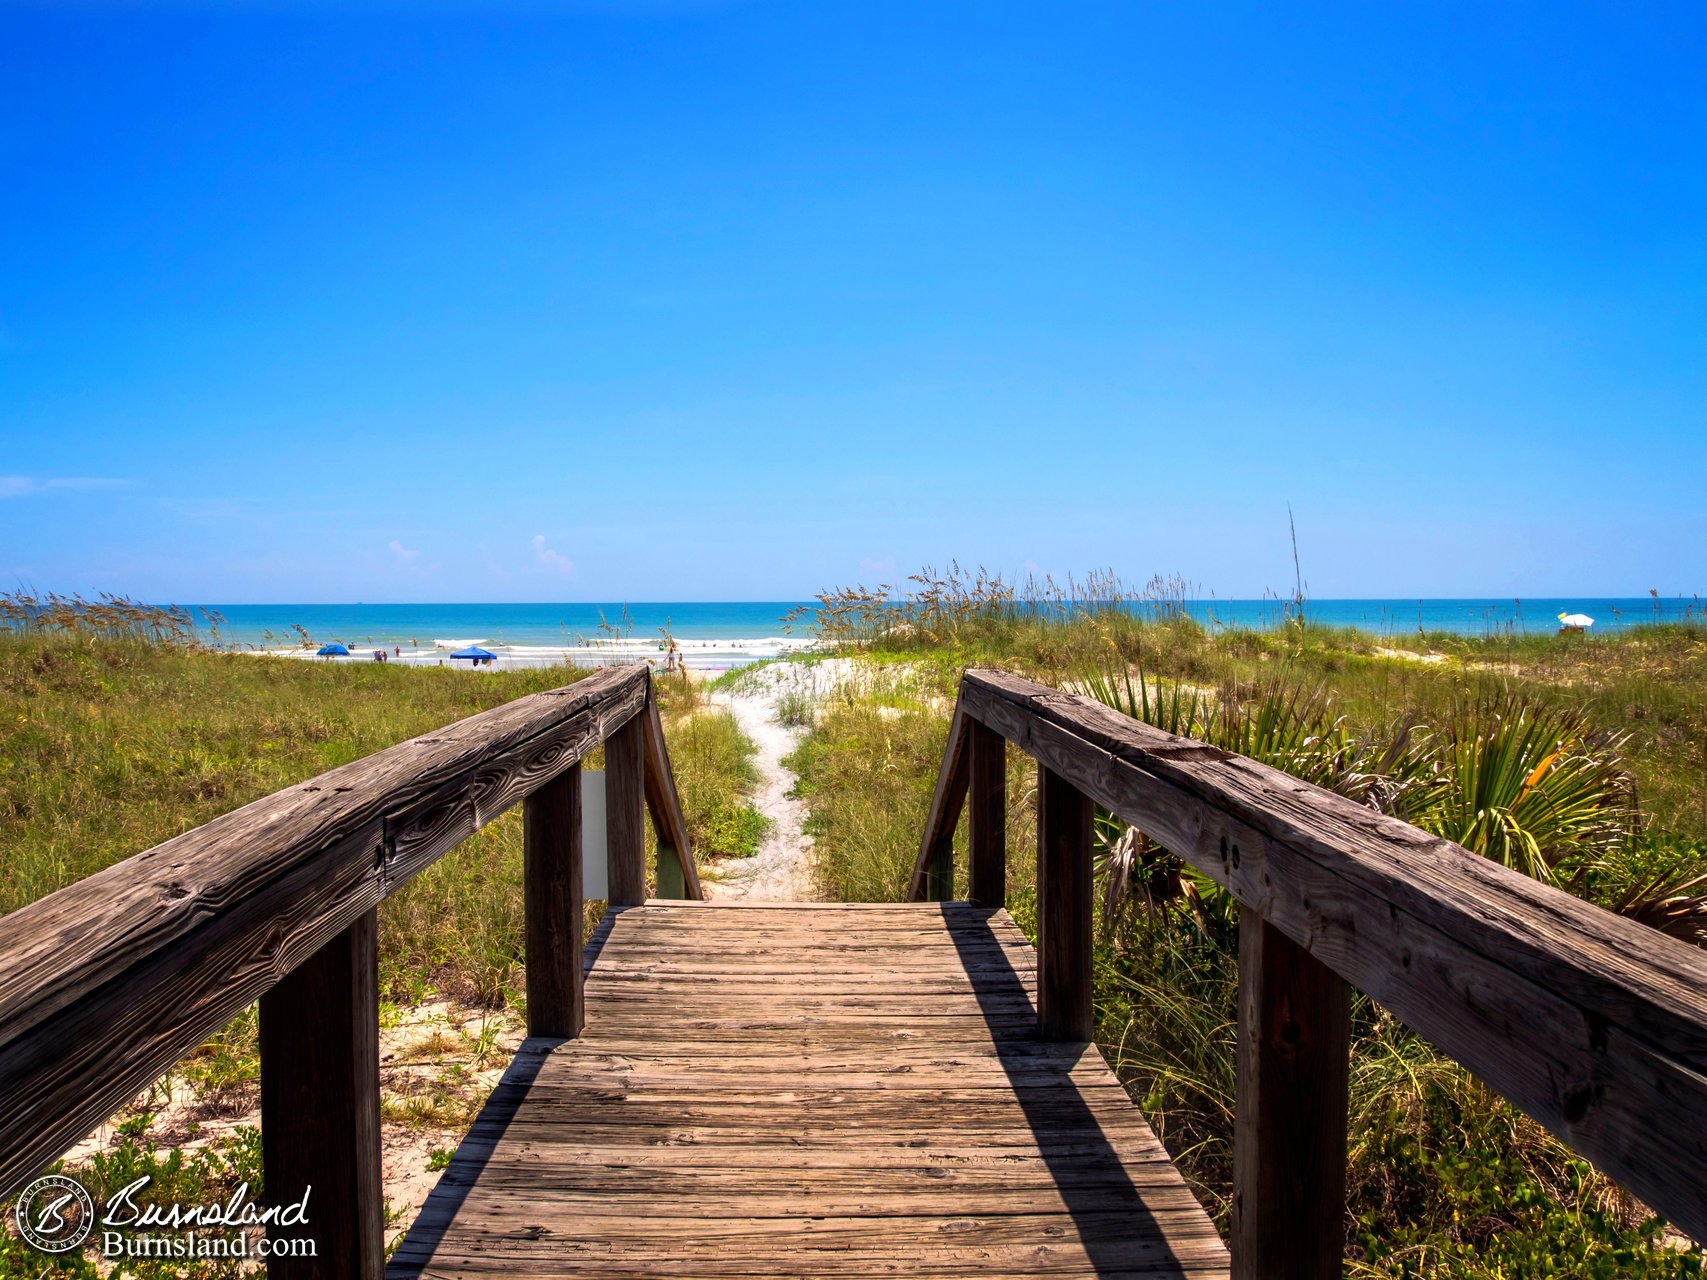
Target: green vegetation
(203, 1175)
(1580, 760)
(109, 745)
(713, 761)
(117, 732)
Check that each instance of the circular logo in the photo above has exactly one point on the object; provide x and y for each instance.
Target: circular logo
(55, 1213)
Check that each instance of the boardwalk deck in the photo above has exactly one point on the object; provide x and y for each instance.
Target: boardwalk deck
(839, 1091)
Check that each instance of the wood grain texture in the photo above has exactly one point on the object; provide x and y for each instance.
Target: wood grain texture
(810, 1130)
(987, 814)
(1064, 892)
(109, 982)
(675, 846)
(319, 1035)
(551, 880)
(933, 872)
(1289, 1117)
(625, 813)
(1594, 1025)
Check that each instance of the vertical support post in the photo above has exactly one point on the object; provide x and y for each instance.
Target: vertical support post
(1289, 1119)
(1064, 890)
(939, 881)
(933, 873)
(672, 883)
(987, 754)
(625, 813)
(551, 879)
(320, 1108)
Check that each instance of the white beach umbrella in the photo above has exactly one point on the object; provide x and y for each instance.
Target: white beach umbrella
(1576, 620)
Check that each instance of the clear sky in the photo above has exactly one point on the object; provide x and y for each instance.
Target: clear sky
(559, 301)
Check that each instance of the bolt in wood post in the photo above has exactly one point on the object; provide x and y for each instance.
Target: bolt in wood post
(551, 878)
(320, 1108)
(1063, 909)
(625, 813)
(1289, 1118)
(988, 762)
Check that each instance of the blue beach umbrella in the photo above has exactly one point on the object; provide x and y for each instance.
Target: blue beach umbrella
(474, 653)
(332, 651)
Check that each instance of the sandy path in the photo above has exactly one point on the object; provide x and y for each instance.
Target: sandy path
(781, 871)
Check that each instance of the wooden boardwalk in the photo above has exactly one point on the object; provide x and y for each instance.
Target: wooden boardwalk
(810, 1091)
(852, 1091)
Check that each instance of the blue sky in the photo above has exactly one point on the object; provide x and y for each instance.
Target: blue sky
(559, 301)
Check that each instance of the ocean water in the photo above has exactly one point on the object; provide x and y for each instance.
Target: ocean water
(1466, 617)
(759, 626)
(554, 626)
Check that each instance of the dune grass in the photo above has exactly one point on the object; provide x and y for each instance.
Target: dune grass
(109, 745)
(1447, 1180)
(116, 736)
(111, 741)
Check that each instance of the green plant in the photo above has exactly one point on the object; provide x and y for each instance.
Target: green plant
(794, 708)
(731, 830)
(1528, 786)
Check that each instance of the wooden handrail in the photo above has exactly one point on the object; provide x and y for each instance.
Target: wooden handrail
(109, 982)
(678, 877)
(1594, 1025)
(933, 873)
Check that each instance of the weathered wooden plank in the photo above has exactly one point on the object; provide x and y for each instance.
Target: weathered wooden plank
(319, 1038)
(107, 983)
(676, 868)
(64, 1077)
(1064, 891)
(68, 943)
(518, 1235)
(987, 828)
(551, 876)
(834, 1130)
(1289, 1120)
(1592, 1024)
(933, 873)
(625, 833)
(432, 826)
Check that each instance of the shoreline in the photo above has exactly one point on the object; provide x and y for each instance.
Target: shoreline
(695, 655)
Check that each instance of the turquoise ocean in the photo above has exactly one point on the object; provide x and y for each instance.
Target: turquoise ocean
(557, 625)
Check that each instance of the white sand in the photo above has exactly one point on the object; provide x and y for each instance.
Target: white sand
(781, 871)
(700, 655)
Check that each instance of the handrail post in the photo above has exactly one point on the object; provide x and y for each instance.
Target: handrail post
(551, 877)
(987, 810)
(625, 813)
(1289, 1120)
(939, 876)
(1064, 824)
(320, 1108)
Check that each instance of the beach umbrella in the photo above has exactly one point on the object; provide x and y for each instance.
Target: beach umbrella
(333, 651)
(1576, 620)
(474, 652)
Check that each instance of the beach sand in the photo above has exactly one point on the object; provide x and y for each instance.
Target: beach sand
(697, 655)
